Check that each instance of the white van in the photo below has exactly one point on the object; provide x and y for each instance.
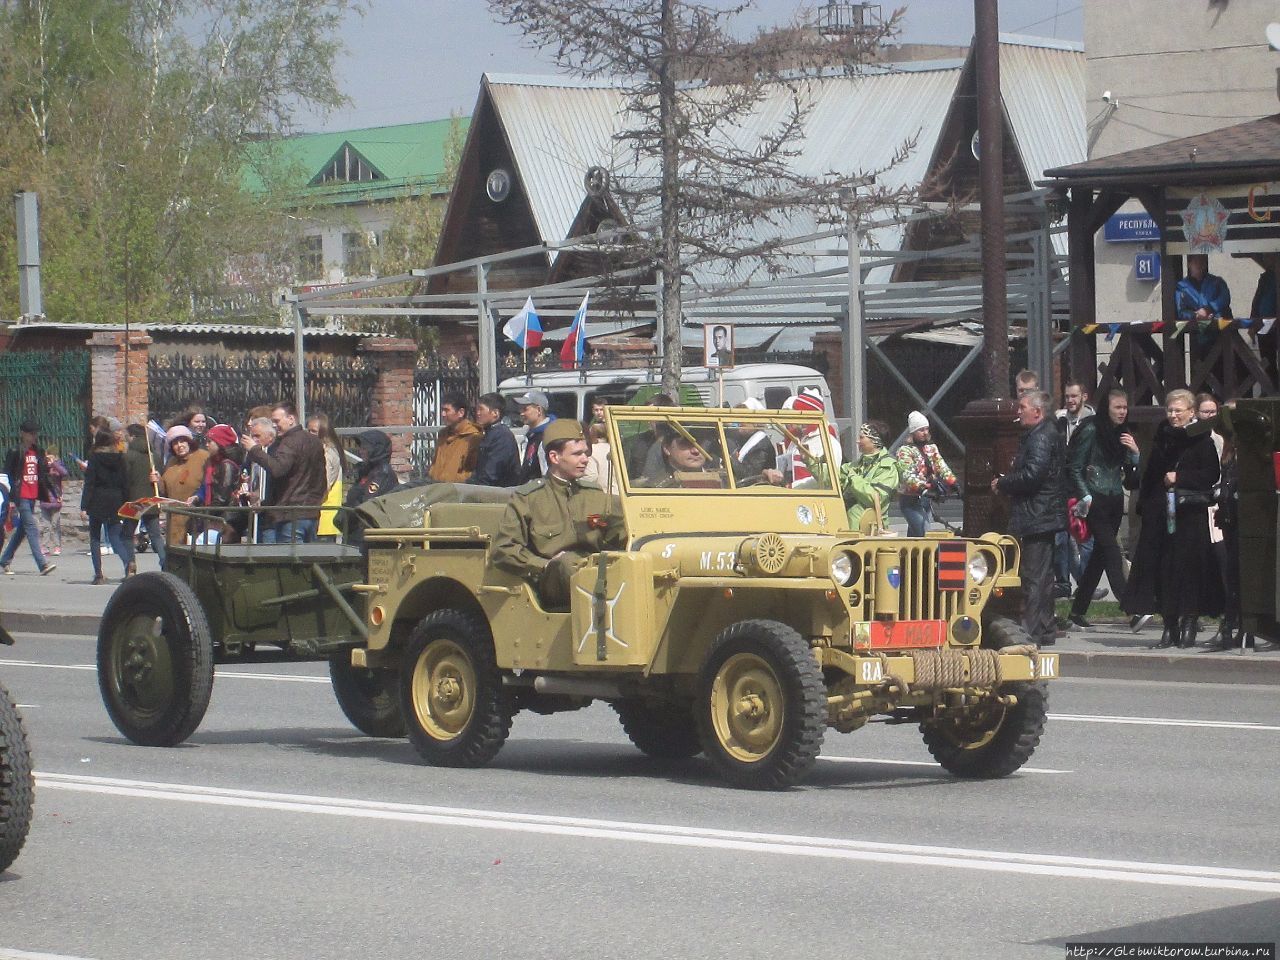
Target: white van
(572, 391)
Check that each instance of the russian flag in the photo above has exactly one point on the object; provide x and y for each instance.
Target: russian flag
(574, 350)
(525, 328)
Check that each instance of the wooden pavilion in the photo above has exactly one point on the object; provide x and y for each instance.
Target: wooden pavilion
(1217, 192)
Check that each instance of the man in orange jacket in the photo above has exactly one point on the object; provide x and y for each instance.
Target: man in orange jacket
(457, 443)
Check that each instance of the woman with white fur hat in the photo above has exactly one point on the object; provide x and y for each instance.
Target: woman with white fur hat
(925, 475)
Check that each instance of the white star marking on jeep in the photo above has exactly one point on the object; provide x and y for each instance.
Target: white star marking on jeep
(608, 618)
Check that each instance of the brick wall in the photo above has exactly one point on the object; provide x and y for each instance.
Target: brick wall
(393, 393)
(111, 359)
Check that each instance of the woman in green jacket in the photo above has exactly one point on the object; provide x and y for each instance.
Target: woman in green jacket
(875, 473)
(1101, 460)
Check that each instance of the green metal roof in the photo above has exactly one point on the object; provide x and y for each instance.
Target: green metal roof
(410, 156)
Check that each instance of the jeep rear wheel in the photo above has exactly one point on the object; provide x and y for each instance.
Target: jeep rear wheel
(664, 731)
(155, 660)
(455, 709)
(762, 706)
(16, 783)
(990, 740)
(369, 698)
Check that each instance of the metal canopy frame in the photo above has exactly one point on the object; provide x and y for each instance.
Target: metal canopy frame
(819, 296)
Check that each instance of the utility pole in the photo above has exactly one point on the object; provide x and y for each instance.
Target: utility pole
(995, 320)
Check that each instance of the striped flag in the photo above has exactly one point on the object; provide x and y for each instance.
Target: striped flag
(525, 328)
(574, 350)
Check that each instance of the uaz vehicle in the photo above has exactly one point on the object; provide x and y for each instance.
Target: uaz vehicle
(16, 781)
(739, 620)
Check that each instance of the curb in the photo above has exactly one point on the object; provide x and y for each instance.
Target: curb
(1191, 667)
(83, 624)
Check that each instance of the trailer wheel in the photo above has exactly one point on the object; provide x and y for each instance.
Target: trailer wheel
(456, 712)
(155, 660)
(16, 782)
(369, 698)
(762, 708)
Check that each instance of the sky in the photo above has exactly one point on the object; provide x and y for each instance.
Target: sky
(413, 60)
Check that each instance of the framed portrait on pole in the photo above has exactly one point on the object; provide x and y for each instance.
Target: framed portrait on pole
(717, 345)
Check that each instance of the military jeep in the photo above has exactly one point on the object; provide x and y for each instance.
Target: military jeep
(741, 620)
(738, 618)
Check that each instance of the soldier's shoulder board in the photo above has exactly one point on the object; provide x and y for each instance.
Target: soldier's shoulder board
(525, 489)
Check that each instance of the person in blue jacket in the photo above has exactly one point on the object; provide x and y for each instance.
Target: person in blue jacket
(498, 456)
(1201, 296)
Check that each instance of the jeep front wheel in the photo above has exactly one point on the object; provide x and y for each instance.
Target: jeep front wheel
(762, 705)
(987, 740)
(455, 710)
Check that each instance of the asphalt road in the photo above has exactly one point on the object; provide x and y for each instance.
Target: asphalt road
(1149, 813)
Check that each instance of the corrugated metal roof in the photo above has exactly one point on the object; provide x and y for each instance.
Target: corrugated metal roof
(408, 155)
(555, 132)
(220, 329)
(558, 127)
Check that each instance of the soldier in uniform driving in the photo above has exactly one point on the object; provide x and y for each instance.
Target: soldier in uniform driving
(553, 525)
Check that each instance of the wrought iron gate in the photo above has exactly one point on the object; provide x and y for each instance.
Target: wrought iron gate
(433, 378)
(229, 383)
(51, 388)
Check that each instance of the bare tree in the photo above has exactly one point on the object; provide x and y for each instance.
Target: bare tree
(704, 182)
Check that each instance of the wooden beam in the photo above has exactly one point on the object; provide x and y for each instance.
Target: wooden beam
(1083, 352)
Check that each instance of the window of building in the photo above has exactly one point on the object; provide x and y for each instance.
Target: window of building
(357, 259)
(311, 258)
(347, 166)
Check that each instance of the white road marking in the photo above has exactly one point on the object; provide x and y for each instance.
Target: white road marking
(1165, 722)
(285, 677)
(1067, 717)
(830, 848)
(24, 955)
(924, 763)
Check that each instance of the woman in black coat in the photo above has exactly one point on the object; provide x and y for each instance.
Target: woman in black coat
(1174, 572)
(105, 483)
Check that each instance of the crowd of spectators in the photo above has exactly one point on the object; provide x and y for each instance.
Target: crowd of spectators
(1068, 484)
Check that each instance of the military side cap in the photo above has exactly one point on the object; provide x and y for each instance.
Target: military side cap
(562, 429)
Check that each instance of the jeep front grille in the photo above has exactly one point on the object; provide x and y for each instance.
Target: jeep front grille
(918, 596)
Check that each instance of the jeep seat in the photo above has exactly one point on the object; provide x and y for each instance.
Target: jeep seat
(485, 516)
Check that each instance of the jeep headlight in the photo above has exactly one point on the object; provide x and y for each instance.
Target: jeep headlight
(846, 567)
(978, 567)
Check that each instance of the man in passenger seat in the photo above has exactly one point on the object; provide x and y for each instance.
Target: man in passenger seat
(554, 524)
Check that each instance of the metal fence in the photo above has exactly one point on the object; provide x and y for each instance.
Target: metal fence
(51, 388)
(434, 378)
(229, 383)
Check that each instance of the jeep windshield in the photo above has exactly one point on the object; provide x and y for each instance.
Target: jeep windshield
(696, 451)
